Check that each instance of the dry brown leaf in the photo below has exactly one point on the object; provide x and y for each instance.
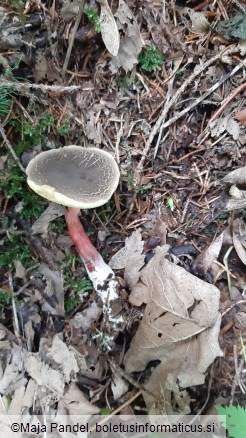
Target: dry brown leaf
(52, 212)
(62, 356)
(182, 367)
(239, 239)
(131, 44)
(211, 254)
(237, 177)
(222, 124)
(240, 320)
(85, 319)
(130, 258)
(29, 394)
(54, 289)
(241, 116)
(238, 197)
(43, 374)
(75, 403)
(133, 246)
(3, 161)
(44, 69)
(199, 22)
(70, 9)
(16, 407)
(109, 29)
(20, 271)
(118, 385)
(206, 259)
(181, 313)
(236, 204)
(11, 365)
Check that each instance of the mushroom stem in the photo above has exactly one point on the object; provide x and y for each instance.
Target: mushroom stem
(85, 249)
(101, 275)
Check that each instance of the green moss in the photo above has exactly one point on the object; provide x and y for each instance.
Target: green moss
(13, 183)
(5, 299)
(93, 17)
(16, 249)
(151, 59)
(6, 95)
(70, 303)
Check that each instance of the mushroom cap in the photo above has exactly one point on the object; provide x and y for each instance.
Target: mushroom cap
(74, 176)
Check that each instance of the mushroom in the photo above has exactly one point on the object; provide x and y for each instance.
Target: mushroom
(79, 178)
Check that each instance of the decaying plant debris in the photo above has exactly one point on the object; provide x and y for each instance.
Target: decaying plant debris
(161, 86)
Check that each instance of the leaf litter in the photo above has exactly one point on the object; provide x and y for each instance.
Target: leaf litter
(181, 321)
(58, 361)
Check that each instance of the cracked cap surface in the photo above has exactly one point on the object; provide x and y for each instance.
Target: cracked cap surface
(74, 176)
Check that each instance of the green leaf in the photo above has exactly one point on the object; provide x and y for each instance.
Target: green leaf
(235, 420)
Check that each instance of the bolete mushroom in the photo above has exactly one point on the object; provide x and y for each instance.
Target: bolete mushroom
(79, 178)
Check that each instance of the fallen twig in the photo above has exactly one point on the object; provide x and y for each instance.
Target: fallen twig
(160, 122)
(72, 38)
(205, 95)
(20, 86)
(227, 100)
(10, 148)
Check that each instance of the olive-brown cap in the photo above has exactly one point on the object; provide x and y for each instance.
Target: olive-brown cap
(74, 176)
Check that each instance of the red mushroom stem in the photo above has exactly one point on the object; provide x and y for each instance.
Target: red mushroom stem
(101, 275)
(85, 249)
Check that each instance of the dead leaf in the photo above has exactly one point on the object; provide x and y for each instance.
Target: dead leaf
(222, 124)
(118, 385)
(241, 116)
(70, 9)
(45, 69)
(237, 177)
(85, 319)
(43, 374)
(131, 44)
(130, 258)
(52, 212)
(17, 401)
(75, 403)
(199, 22)
(54, 289)
(109, 29)
(2, 162)
(236, 204)
(62, 356)
(29, 394)
(233, 128)
(238, 197)
(242, 47)
(20, 271)
(180, 320)
(239, 239)
(133, 246)
(240, 320)
(211, 254)
(180, 368)
(91, 129)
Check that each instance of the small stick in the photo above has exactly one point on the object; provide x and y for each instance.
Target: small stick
(20, 86)
(10, 148)
(227, 100)
(172, 102)
(124, 405)
(71, 42)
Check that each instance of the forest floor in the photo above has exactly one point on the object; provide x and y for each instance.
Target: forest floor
(169, 104)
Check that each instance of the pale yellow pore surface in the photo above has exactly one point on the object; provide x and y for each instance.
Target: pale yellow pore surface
(51, 194)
